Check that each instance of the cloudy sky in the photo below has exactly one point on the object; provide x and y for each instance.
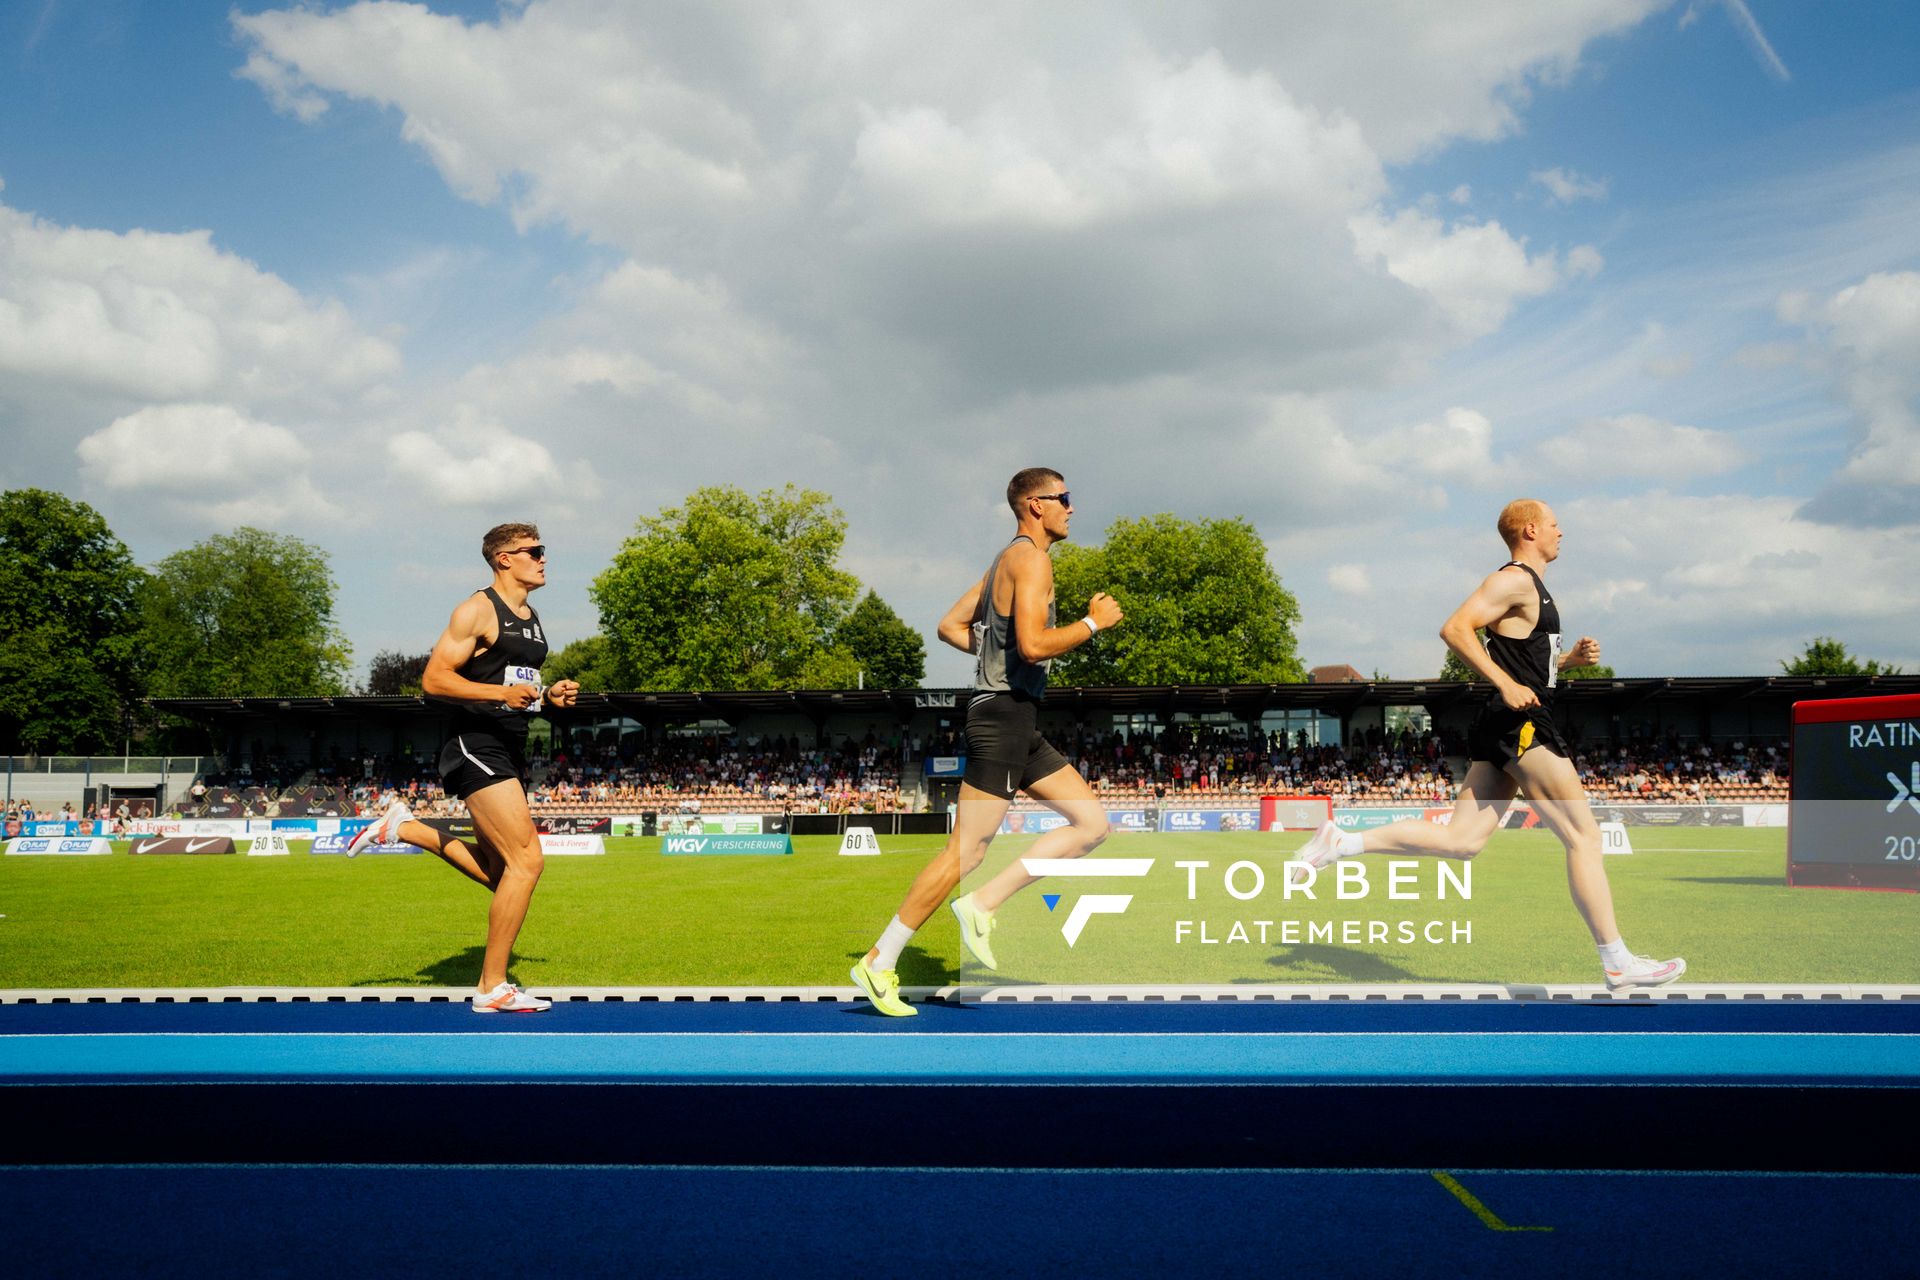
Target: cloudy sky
(381, 275)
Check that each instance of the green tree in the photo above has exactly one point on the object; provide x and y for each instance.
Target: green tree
(70, 669)
(891, 654)
(731, 591)
(1453, 668)
(245, 614)
(392, 673)
(1592, 671)
(589, 661)
(1203, 606)
(1826, 656)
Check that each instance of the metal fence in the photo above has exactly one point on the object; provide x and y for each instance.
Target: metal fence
(103, 765)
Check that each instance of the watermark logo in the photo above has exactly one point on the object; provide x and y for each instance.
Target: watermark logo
(1903, 792)
(1092, 904)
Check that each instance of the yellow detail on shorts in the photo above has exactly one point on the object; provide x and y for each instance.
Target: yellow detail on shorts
(1526, 739)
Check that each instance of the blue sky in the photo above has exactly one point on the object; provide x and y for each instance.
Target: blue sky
(382, 275)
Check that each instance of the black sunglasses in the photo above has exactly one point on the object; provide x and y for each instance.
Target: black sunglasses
(1064, 497)
(538, 551)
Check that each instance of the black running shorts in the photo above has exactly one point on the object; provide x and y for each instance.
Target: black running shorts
(472, 762)
(1005, 751)
(1501, 735)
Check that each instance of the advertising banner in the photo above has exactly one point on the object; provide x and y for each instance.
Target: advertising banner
(703, 846)
(1036, 822)
(234, 827)
(1672, 815)
(1239, 818)
(337, 844)
(309, 825)
(184, 844)
(1294, 813)
(73, 848)
(582, 845)
(1032, 822)
(583, 826)
(1856, 794)
(711, 824)
(1367, 819)
(946, 766)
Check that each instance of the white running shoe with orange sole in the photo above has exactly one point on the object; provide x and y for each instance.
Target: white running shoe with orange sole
(1316, 853)
(507, 998)
(1644, 972)
(383, 830)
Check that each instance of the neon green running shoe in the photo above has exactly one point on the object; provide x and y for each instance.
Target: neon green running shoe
(975, 927)
(881, 987)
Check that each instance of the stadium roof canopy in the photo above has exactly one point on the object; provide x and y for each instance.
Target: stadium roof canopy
(1246, 702)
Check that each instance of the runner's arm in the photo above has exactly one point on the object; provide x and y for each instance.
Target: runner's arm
(956, 628)
(1031, 573)
(1499, 595)
(465, 630)
(1585, 652)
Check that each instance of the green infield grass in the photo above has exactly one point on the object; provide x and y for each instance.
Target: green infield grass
(635, 918)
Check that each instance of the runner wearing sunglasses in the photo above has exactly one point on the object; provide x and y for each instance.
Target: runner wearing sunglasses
(486, 666)
(1007, 619)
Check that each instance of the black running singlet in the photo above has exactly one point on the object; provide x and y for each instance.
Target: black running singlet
(1533, 661)
(513, 658)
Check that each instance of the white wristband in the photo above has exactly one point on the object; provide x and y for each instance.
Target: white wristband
(1093, 628)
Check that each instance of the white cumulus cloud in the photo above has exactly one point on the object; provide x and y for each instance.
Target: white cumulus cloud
(161, 316)
(206, 458)
(472, 462)
(1475, 272)
(1635, 444)
(1350, 579)
(1565, 187)
(1868, 337)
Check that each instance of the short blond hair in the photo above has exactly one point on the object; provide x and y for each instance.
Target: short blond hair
(1516, 516)
(500, 535)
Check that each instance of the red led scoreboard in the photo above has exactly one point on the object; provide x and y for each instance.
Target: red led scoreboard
(1854, 821)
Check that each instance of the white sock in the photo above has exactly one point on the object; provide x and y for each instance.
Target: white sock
(891, 944)
(1614, 954)
(1348, 844)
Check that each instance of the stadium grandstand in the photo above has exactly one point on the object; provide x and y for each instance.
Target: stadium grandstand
(1667, 741)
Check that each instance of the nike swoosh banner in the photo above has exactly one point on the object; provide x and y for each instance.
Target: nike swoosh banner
(186, 844)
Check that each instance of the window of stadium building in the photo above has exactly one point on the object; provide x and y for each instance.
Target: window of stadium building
(700, 729)
(1134, 725)
(1306, 727)
(1414, 720)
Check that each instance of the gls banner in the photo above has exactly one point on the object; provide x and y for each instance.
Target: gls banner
(1210, 819)
(1035, 822)
(338, 844)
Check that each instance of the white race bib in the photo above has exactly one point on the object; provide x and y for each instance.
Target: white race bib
(526, 675)
(1553, 658)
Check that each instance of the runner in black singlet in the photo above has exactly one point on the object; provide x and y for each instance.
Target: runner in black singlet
(1501, 735)
(1007, 619)
(486, 669)
(487, 741)
(1514, 744)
